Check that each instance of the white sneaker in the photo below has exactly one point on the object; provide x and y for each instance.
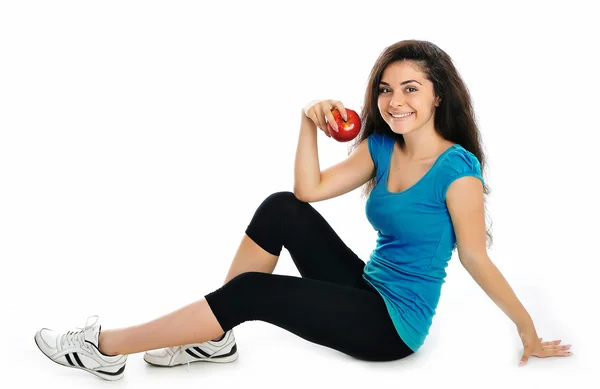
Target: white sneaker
(222, 351)
(79, 349)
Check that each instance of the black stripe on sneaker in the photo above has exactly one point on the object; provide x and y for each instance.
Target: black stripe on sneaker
(112, 373)
(78, 360)
(69, 360)
(233, 350)
(189, 351)
(204, 353)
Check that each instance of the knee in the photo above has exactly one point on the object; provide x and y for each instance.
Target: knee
(282, 202)
(283, 197)
(248, 277)
(271, 218)
(239, 299)
(246, 285)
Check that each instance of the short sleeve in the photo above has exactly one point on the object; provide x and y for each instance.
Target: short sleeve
(375, 145)
(459, 163)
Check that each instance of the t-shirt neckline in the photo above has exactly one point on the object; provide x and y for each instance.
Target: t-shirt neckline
(435, 163)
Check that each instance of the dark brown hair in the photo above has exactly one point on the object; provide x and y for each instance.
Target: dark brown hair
(454, 117)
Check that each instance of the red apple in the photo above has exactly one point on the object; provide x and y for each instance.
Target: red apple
(348, 129)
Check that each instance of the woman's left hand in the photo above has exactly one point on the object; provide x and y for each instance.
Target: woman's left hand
(532, 345)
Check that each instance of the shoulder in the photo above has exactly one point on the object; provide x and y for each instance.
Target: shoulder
(457, 162)
(376, 139)
(377, 142)
(457, 158)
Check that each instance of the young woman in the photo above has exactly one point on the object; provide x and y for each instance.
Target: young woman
(419, 158)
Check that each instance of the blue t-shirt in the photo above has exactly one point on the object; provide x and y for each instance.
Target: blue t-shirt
(415, 237)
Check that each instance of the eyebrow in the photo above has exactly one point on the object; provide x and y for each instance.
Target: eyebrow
(402, 83)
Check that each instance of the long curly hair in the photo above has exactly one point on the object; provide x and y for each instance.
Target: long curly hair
(454, 117)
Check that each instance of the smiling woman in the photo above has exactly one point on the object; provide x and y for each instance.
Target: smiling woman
(419, 158)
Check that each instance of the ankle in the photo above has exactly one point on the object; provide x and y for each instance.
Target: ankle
(219, 338)
(104, 345)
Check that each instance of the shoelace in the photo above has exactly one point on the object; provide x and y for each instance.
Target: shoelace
(187, 358)
(78, 335)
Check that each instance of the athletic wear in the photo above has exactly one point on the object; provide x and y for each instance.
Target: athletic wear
(330, 305)
(415, 237)
(221, 351)
(380, 311)
(79, 349)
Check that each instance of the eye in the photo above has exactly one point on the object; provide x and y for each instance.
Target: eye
(382, 90)
(410, 87)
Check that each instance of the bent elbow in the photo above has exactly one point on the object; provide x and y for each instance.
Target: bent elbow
(301, 196)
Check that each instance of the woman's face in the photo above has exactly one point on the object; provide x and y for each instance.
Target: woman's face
(404, 92)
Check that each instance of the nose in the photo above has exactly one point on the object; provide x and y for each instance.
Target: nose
(397, 101)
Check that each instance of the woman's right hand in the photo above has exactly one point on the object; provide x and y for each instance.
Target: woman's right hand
(319, 111)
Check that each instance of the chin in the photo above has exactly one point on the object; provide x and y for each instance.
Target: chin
(402, 131)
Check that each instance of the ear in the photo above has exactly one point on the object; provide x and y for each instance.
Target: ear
(437, 101)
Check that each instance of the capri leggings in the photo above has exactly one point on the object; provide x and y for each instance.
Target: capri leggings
(330, 304)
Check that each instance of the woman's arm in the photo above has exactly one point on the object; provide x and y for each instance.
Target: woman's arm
(465, 204)
(464, 199)
(493, 283)
(307, 170)
(310, 183)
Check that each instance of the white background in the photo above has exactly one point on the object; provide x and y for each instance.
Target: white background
(138, 138)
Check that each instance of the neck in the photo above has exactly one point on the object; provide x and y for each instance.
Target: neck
(422, 144)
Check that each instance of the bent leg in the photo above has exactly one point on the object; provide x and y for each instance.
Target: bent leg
(280, 221)
(352, 320)
(316, 249)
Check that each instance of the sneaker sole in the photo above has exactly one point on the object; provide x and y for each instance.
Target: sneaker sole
(227, 359)
(105, 376)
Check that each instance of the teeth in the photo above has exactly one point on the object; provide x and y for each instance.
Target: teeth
(401, 116)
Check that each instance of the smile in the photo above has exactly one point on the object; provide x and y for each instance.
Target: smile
(401, 116)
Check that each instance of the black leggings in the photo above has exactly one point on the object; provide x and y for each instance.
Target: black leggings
(330, 304)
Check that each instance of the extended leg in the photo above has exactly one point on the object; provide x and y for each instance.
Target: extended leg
(352, 320)
(194, 323)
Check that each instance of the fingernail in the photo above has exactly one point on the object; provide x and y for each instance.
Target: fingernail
(521, 363)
